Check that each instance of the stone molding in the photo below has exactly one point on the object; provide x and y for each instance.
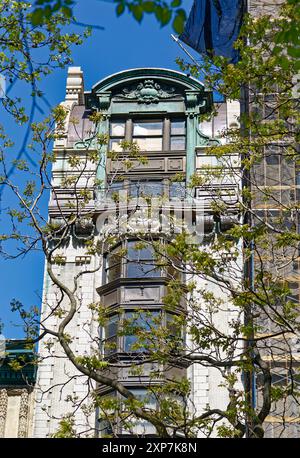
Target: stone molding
(3, 410)
(75, 86)
(23, 393)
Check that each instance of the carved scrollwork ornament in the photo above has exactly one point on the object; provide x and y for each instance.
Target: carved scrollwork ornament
(147, 91)
(84, 229)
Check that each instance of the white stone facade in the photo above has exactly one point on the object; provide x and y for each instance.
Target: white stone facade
(57, 379)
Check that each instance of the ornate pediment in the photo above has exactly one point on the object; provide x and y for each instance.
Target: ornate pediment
(147, 91)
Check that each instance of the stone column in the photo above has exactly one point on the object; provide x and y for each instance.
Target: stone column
(3, 410)
(103, 106)
(23, 414)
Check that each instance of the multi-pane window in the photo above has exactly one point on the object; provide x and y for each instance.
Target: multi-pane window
(140, 262)
(133, 331)
(174, 190)
(117, 134)
(136, 263)
(177, 135)
(177, 190)
(133, 259)
(137, 323)
(111, 335)
(113, 265)
(150, 188)
(150, 134)
(109, 420)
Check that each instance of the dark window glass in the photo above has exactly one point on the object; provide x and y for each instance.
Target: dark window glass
(112, 326)
(137, 251)
(114, 188)
(152, 188)
(138, 321)
(293, 296)
(113, 265)
(173, 326)
(111, 331)
(140, 262)
(143, 269)
(177, 190)
(272, 159)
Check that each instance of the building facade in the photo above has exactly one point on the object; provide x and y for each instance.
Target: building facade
(17, 391)
(158, 110)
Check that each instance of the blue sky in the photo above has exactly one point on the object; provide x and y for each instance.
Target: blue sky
(123, 44)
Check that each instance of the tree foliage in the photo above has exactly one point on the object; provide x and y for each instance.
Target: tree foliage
(232, 295)
(163, 11)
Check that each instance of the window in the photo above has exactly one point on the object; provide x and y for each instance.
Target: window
(175, 332)
(140, 262)
(177, 135)
(270, 107)
(113, 265)
(208, 161)
(109, 421)
(111, 338)
(172, 325)
(134, 322)
(293, 294)
(117, 134)
(114, 188)
(151, 188)
(149, 134)
(134, 331)
(272, 159)
(177, 190)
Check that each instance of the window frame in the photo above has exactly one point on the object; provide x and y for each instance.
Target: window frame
(139, 262)
(164, 271)
(166, 134)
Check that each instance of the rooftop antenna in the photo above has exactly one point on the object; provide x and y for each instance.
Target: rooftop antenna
(176, 39)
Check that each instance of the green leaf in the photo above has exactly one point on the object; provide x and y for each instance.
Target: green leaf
(120, 9)
(137, 12)
(179, 21)
(166, 15)
(47, 11)
(294, 52)
(297, 65)
(175, 3)
(56, 6)
(37, 16)
(67, 11)
(148, 7)
(158, 13)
